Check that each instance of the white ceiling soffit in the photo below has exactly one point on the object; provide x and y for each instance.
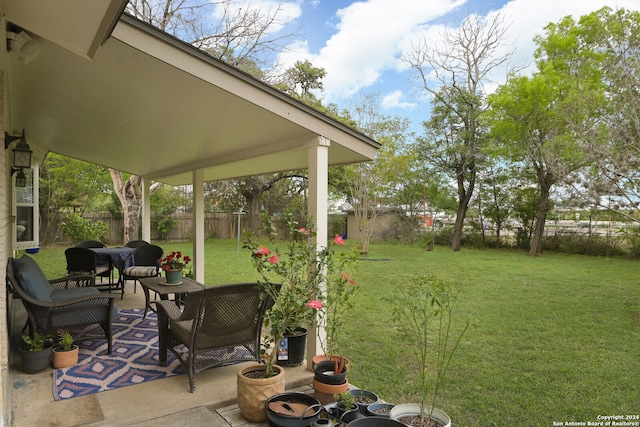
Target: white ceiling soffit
(150, 105)
(80, 26)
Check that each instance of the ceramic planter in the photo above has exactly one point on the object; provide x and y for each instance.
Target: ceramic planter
(252, 393)
(292, 410)
(413, 409)
(65, 358)
(173, 277)
(36, 361)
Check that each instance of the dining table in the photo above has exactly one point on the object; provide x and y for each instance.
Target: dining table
(118, 257)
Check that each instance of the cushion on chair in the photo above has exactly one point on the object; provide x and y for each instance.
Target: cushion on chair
(32, 279)
(141, 271)
(71, 293)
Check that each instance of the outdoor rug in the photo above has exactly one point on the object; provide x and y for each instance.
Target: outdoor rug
(134, 359)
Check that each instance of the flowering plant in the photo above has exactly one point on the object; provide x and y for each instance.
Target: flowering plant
(295, 279)
(174, 261)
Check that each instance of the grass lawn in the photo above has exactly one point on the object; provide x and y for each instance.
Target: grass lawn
(555, 338)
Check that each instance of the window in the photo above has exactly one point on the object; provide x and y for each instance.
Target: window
(25, 212)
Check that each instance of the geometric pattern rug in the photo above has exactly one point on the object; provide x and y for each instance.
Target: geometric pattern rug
(133, 360)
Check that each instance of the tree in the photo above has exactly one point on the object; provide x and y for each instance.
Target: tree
(604, 46)
(69, 184)
(454, 74)
(373, 185)
(240, 36)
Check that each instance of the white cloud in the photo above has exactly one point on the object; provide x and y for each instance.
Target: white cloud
(371, 35)
(393, 100)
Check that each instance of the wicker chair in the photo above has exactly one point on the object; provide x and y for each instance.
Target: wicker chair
(147, 264)
(85, 261)
(220, 325)
(70, 303)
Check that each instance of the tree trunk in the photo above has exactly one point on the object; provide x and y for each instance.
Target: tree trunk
(541, 217)
(130, 196)
(464, 196)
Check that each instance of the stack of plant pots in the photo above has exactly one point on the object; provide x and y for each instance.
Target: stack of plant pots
(330, 377)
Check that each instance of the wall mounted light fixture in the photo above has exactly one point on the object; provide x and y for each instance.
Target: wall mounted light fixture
(25, 46)
(21, 156)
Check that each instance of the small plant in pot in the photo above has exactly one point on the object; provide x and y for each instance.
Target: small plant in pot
(424, 309)
(346, 408)
(36, 352)
(65, 354)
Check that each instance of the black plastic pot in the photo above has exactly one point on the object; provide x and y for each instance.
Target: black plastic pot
(291, 349)
(368, 395)
(373, 409)
(281, 410)
(36, 361)
(323, 372)
(376, 422)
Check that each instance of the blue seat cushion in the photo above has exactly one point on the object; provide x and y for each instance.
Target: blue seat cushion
(71, 293)
(31, 278)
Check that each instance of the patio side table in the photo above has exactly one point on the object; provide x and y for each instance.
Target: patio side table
(159, 286)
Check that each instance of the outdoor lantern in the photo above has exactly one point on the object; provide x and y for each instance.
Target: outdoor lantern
(21, 179)
(21, 152)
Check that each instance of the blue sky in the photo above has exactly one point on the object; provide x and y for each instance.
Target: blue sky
(360, 44)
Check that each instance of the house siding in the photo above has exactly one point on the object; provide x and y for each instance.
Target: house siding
(5, 238)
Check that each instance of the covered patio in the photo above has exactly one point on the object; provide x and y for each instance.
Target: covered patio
(105, 88)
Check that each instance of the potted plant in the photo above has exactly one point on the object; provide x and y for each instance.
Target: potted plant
(346, 409)
(65, 354)
(36, 352)
(292, 278)
(423, 309)
(295, 307)
(173, 266)
(339, 268)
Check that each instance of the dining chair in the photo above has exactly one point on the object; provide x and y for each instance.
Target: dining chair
(83, 261)
(136, 243)
(105, 273)
(91, 244)
(146, 263)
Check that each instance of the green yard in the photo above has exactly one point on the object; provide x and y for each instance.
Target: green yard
(556, 338)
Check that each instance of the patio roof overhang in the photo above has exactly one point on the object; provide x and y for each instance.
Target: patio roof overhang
(148, 104)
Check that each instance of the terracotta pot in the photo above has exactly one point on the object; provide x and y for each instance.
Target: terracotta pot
(252, 393)
(330, 389)
(65, 358)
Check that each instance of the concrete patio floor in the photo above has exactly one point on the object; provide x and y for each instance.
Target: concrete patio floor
(159, 403)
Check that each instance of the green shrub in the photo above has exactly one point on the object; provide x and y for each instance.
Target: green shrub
(78, 228)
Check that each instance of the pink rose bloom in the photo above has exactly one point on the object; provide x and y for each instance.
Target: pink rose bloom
(262, 251)
(338, 240)
(315, 304)
(273, 259)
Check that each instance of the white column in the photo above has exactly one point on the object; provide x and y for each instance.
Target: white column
(198, 225)
(318, 159)
(146, 210)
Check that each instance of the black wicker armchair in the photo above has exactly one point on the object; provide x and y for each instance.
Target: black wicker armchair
(219, 326)
(70, 303)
